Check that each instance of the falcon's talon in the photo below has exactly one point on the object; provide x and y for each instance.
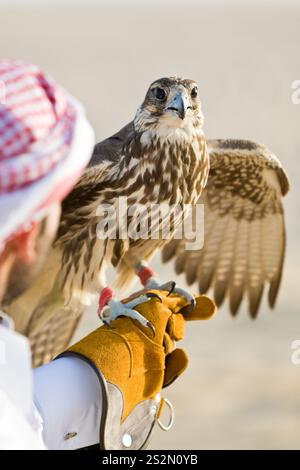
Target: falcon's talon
(118, 309)
(184, 293)
(153, 283)
(152, 295)
(151, 327)
(108, 323)
(103, 315)
(170, 286)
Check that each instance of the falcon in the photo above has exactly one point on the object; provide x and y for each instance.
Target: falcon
(162, 156)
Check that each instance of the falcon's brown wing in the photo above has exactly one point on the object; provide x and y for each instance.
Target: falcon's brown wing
(244, 228)
(110, 149)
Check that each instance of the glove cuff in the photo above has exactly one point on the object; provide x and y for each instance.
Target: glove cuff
(132, 433)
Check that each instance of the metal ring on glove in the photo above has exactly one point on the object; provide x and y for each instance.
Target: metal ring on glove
(171, 420)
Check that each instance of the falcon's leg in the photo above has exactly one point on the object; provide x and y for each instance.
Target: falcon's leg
(150, 280)
(110, 308)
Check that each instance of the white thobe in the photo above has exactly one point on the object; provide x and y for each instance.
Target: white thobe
(56, 406)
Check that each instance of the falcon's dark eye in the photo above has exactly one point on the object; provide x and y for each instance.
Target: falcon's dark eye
(159, 93)
(194, 92)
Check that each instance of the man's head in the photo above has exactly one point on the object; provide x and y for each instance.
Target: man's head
(45, 143)
(24, 255)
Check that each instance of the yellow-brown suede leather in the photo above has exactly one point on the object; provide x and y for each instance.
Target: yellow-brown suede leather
(132, 359)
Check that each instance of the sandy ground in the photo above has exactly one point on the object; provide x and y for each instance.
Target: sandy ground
(241, 390)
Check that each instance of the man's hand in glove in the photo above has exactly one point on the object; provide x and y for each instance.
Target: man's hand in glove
(133, 364)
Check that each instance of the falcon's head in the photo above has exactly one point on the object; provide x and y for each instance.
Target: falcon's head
(170, 104)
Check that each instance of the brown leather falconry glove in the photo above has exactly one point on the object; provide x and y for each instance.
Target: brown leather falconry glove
(133, 365)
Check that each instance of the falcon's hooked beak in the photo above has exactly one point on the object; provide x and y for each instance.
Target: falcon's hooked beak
(179, 105)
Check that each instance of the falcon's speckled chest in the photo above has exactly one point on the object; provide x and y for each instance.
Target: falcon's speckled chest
(169, 171)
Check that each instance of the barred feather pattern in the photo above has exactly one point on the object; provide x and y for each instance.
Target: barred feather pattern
(244, 233)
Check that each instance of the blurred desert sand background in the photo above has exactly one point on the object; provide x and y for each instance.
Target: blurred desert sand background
(241, 389)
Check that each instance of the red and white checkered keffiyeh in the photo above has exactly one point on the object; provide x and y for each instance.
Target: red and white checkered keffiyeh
(45, 143)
